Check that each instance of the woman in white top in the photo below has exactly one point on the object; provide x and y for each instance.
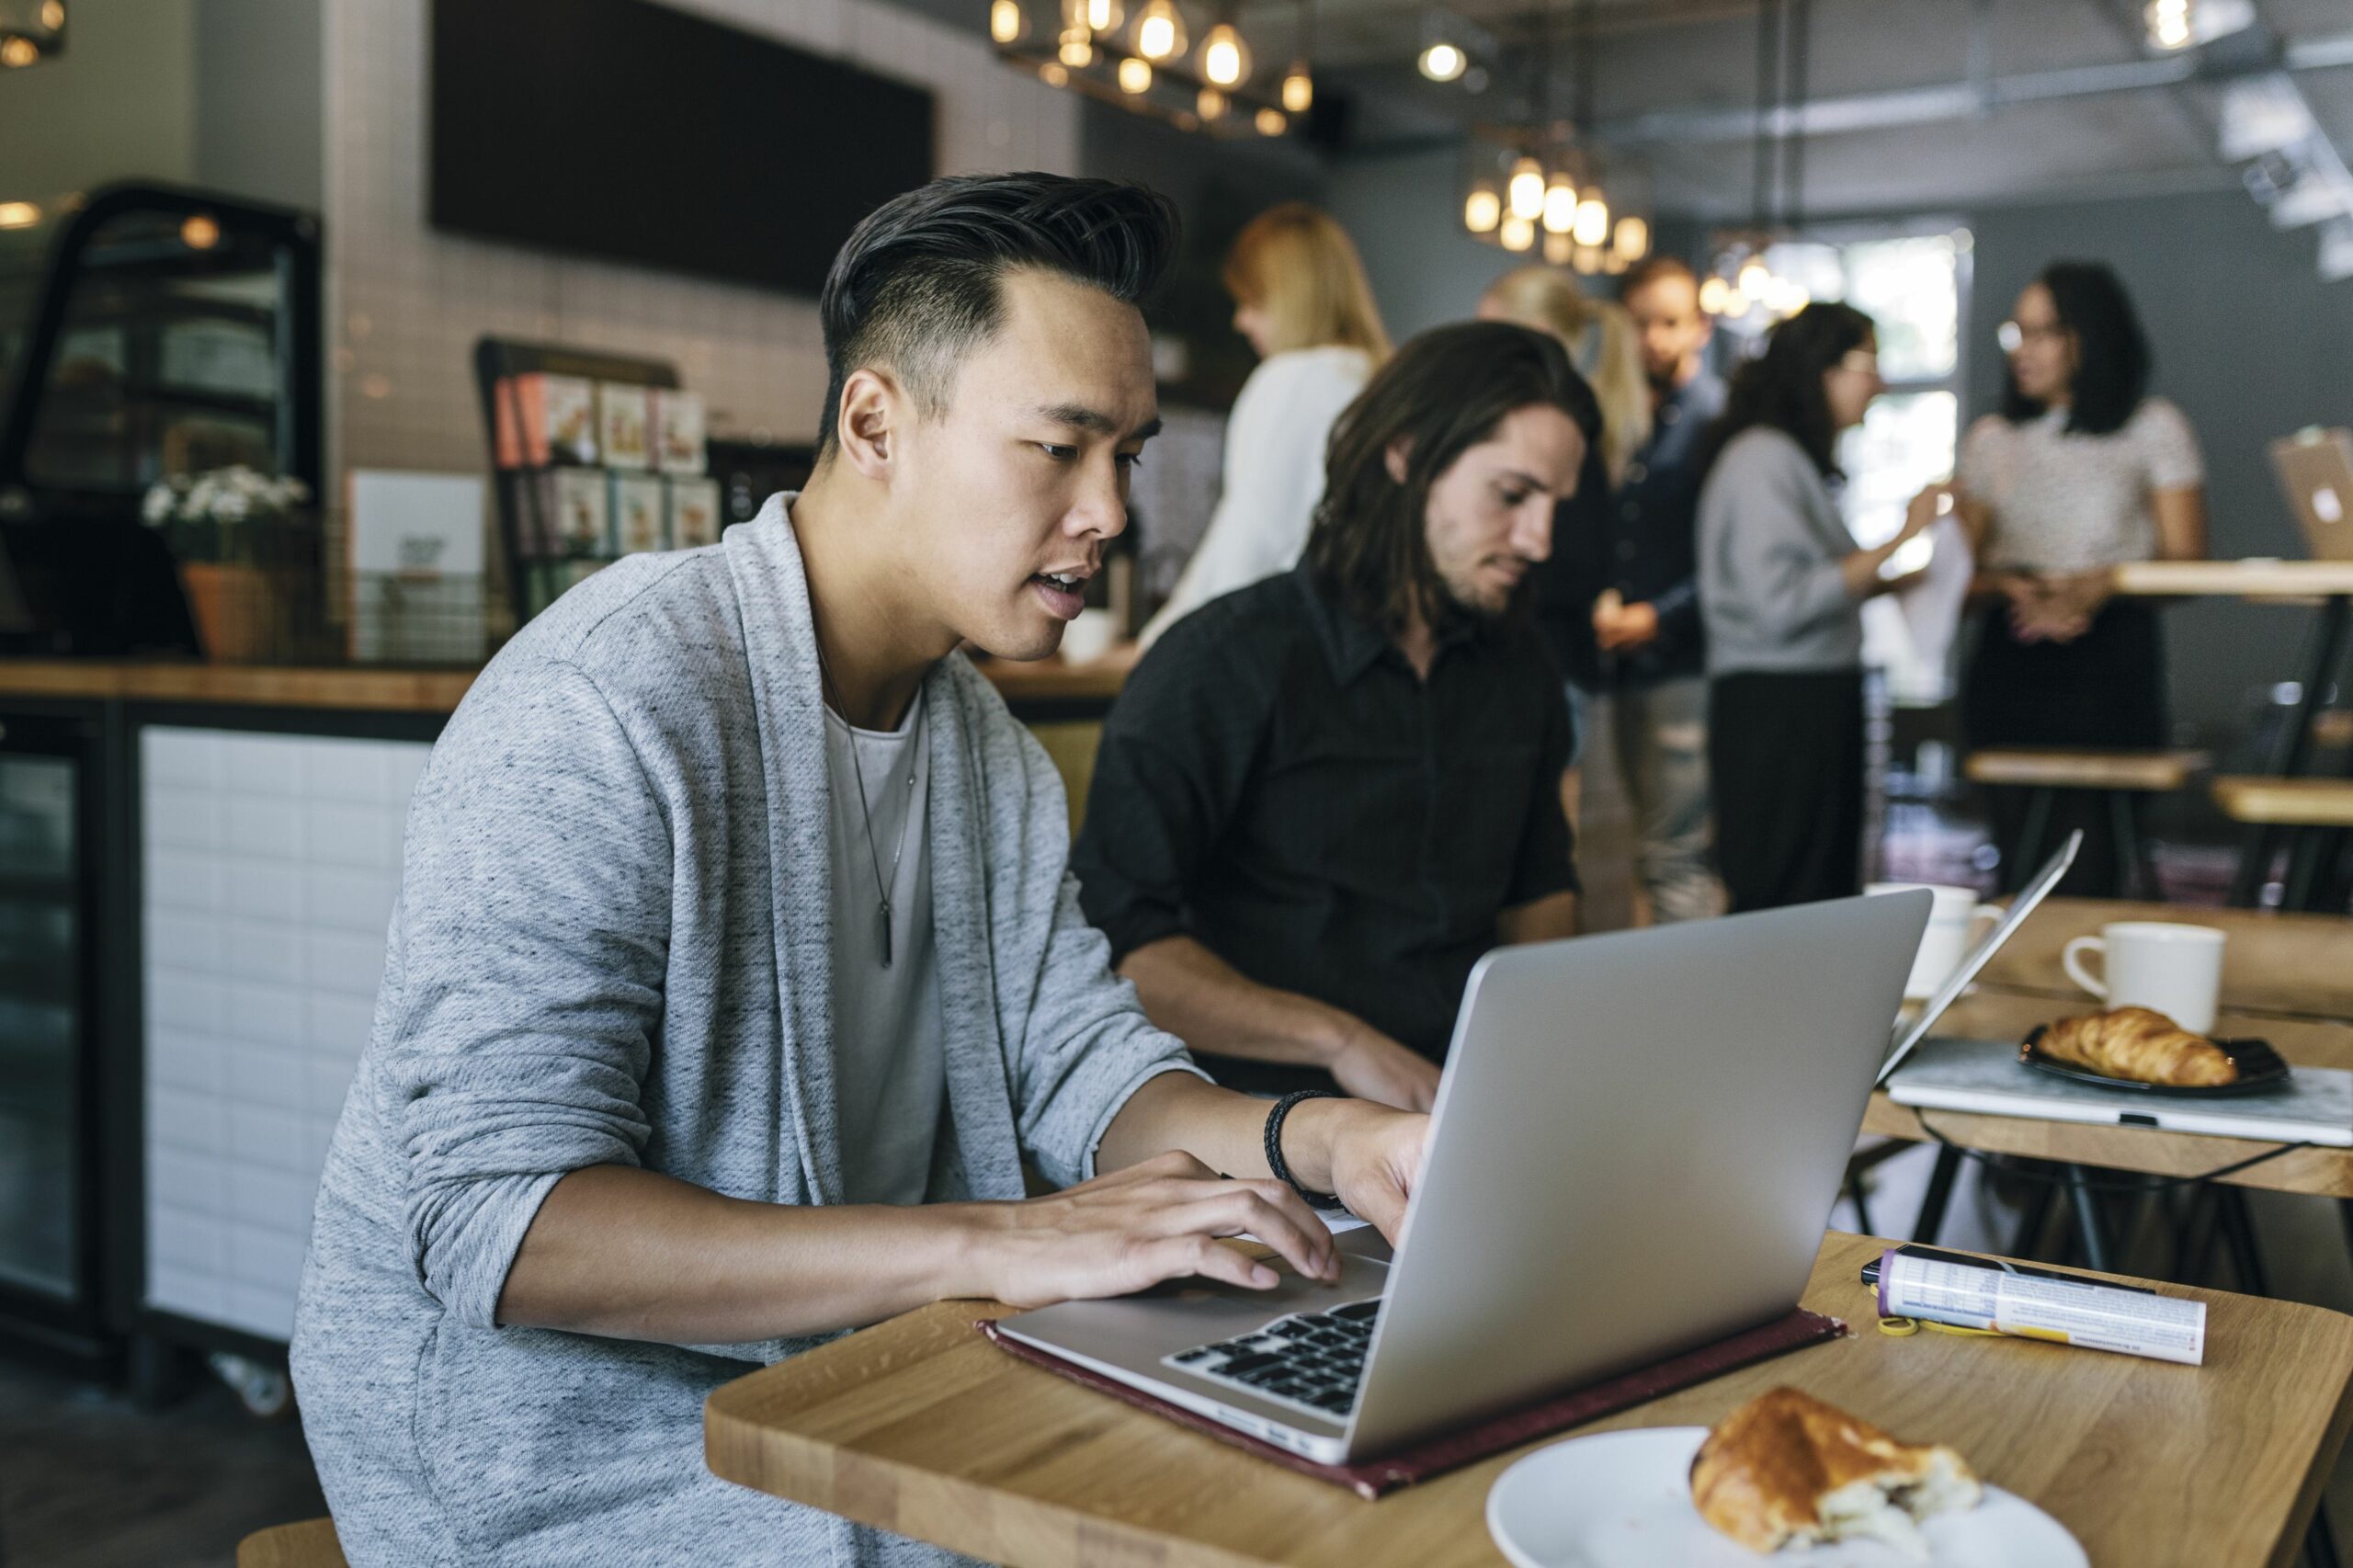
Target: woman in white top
(2082, 471)
(1301, 298)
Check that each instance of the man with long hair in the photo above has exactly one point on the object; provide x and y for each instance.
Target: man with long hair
(1321, 798)
(736, 971)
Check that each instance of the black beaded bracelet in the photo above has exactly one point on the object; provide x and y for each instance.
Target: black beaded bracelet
(1323, 1200)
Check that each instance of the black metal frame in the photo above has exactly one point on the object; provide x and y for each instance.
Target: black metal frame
(2291, 752)
(121, 1327)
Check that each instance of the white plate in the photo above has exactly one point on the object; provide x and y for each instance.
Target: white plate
(1623, 1500)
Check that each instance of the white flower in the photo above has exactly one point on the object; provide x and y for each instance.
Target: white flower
(157, 507)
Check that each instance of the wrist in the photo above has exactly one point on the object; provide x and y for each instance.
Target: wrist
(967, 1247)
(1311, 1135)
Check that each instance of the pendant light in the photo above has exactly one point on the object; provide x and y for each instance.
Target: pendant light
(1633, 240)
(1134, 75)
(1516, 232)
(1592, 224)
(1482, 210)
(1210, 104)
(1560, 205)
(1160, 31)
(1077, 49)
(1099, 18)
(1271, 122)
(1299, 83)
(1525, 193)
(1007, 24)
(1443, 61)
(1224, 58)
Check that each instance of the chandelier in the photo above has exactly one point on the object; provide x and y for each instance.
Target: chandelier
(1743, 288)
(1539, 187)
(1153, 61)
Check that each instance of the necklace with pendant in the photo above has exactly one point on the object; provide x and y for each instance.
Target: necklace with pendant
(873, 858)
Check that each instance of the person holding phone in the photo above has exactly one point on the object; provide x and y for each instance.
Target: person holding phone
(2081, 470)
(1781, 585)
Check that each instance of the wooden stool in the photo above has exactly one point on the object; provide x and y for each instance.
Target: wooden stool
(311, 1544)
(2115, 775)
(2316, 814)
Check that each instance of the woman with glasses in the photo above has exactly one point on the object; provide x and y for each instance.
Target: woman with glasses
(2081, 470)
(1782, 587)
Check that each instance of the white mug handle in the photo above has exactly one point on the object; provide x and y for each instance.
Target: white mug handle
(2069, 961)
(1989, 912)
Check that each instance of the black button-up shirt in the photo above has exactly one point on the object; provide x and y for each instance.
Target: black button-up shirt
(1276, 782)
(1640, 540)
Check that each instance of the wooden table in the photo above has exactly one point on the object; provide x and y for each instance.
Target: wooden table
(2297, 964)
(2331, 583)
(919, 1426)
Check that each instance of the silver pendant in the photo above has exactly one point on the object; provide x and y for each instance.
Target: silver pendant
(882, 912)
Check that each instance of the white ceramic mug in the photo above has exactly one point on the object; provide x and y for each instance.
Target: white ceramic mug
(1090, 636)
(2173, 968)
(1952, 926)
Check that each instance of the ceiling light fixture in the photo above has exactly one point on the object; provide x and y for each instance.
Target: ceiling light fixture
(1226, 59)
(1210, 104)
(1560, 205)
(1592, 224)
(1525, 192)
(1160, 31)
(1516, 232)
(18, 214)
(1077, 50)
(1442, 61)
(1135, 75)
(1007, 22)
(2169, 24)
(1271, 122)
(1482, 210)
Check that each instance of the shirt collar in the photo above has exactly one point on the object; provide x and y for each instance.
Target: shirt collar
(1349, 645)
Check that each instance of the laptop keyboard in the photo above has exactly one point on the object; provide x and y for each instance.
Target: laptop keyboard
(1313, 1360)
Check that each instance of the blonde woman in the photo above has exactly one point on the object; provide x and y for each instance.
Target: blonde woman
(1601, 343)
(1301, 298)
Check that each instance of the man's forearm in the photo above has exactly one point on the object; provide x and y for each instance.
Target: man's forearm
(1224, 1130)
(634, 1255)
(1211, 1005)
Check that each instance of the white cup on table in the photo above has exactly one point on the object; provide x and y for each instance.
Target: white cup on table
(1952, 925)
(1090, 636)
(2168, 967)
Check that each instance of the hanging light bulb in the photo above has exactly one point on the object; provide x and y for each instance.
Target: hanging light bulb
(1226, 59)
(1077, 49)
(1102, 15)
(1517, 232)
(1007, 23)
(1527, 189)
(1271, 122)
(2169, 24)
(1587, 259)
(1135, 76)
(1482, 210)
(1210, 104)
(1592, 226)
(1558, 248)
(1442, 61)
(1634, 240)
(1053, 74)
(1160, 31)
(1299, 88)
(1755, 277)
(1715, 295)
(1560, 206)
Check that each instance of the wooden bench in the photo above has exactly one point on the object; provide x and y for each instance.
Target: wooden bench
(2115, 775)
(310, 1544)
(2315, 811)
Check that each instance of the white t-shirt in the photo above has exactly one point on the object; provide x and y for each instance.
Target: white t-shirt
(1274, 474)
(2071, 503)
(890, 1067)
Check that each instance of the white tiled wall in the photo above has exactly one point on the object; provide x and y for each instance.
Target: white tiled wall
(405, 303)
(270, 863)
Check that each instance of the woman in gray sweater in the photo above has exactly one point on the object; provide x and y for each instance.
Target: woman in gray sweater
(1782, 588)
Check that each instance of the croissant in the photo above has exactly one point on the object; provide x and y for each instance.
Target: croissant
(2140, 1044)
(1787, 1469)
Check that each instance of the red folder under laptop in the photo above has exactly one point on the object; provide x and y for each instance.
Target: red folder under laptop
(1371, 1479)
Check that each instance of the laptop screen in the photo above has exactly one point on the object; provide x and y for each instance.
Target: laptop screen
(2033, 893)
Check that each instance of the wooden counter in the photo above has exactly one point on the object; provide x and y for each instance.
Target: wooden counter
(2250, 579)
(1049, 684)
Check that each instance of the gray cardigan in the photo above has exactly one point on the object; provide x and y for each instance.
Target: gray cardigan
(610, 948)
(1770, 540)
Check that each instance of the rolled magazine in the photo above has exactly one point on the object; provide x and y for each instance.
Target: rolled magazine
(2042, 1306)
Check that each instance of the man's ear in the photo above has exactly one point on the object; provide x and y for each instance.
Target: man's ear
(1394, 456)
(869, 421)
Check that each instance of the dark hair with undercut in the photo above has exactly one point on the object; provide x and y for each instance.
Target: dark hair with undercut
(918, 285)
(2112, 359)
(1442, 393)
(1782, 387)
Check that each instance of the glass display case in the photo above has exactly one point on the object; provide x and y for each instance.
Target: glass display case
(145, 333)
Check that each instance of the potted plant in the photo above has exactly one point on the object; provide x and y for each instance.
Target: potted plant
(248, 555)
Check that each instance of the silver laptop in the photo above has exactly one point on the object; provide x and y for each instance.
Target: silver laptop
(1635, 1149)
(2315, 469)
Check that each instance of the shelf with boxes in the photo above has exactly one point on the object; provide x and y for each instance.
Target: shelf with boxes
(598, 456)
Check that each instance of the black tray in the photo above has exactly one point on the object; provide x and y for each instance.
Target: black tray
(2260, 1067)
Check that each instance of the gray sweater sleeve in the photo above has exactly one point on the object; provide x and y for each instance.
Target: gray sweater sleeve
(525, 980)
(1777, 550)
